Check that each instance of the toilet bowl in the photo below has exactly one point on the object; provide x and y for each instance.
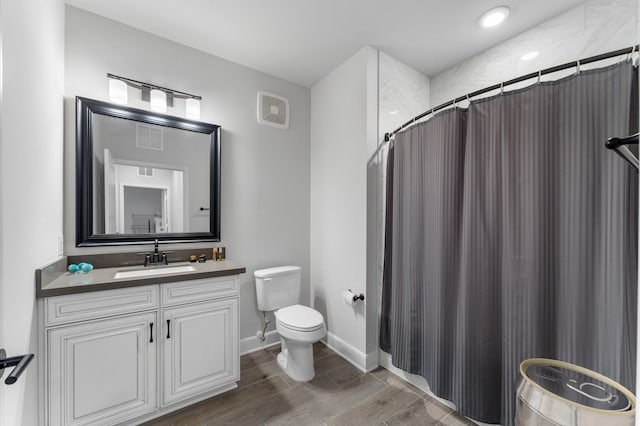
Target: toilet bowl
(299, 327)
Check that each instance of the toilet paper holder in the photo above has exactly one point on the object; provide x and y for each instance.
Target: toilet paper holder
(357, 297)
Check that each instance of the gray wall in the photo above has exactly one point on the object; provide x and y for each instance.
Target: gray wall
(265, 171)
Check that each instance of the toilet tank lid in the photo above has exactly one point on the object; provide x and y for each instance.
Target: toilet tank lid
(272, 272)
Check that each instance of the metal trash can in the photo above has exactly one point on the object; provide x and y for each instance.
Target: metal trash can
(554, 393)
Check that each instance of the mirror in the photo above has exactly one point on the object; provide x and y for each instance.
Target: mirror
(142, 176)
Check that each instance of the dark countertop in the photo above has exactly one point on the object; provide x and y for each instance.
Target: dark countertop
(103, 278)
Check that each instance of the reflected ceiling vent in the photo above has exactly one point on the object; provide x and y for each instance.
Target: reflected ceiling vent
(148, 137)
(273, 110)
(145, 171)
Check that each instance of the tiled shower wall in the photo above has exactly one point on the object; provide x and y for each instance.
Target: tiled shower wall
(595, 27)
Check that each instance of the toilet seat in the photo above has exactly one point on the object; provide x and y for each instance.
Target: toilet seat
(300, 318)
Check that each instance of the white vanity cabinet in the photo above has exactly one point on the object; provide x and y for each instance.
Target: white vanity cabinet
(200, 337)
(102, 372)
(127, 355)
(198, 349)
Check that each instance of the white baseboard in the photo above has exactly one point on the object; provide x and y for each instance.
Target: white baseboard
(417, 381)
(252, 344)
(372, 360)
(363, 362)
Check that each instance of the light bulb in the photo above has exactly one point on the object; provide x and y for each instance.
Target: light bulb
(117, 91)
(494, 17)
(158, 100)
(193, 108)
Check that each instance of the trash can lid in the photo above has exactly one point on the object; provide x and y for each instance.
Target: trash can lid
(577, 384)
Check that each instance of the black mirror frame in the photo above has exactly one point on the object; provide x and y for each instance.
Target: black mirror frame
(85, 108)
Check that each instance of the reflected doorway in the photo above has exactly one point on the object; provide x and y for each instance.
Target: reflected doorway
(145, 210)
(144, 198)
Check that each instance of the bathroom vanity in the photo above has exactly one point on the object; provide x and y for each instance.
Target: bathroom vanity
(130, 349)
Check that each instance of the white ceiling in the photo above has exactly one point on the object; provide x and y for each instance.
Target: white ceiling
(303, 40)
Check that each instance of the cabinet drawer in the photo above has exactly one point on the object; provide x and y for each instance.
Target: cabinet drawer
(198, 290)
(97, 304)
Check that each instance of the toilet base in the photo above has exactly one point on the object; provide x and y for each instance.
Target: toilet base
(296, 360)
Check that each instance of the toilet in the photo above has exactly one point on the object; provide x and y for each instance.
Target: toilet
(299, 327)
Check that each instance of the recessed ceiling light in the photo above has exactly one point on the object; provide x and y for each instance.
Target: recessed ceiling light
(529, 56)
(494, 17)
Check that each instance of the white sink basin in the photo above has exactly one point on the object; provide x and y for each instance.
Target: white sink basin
(150, 272)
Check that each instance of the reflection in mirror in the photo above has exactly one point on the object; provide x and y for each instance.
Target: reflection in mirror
(151, 176)
(153, 179)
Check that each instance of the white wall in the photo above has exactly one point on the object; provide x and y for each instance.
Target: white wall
(343, 136)
(31, 118)
(265, 171)
(595, 27)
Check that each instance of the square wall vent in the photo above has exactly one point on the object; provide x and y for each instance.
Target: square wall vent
(273, 110)
(148, 137)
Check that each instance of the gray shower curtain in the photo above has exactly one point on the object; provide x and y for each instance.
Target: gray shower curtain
(511, 233)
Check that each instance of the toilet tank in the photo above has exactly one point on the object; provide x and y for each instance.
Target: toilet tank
(277, 287)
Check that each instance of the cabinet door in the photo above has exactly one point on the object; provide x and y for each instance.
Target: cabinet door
(200, 344)
(103, 372)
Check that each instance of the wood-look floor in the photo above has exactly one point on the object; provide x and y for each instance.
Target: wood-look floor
(338, 395)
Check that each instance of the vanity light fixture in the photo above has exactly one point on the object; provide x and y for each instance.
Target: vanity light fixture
(118, 91)
(193, 109)
(158, 97)
(494, 16)
(158, 100)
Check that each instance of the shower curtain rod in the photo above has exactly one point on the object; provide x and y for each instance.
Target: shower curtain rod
(467, 97)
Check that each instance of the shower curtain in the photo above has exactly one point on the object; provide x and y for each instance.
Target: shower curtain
(511, 233)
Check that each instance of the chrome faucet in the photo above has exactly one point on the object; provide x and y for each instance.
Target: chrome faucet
(156, 257)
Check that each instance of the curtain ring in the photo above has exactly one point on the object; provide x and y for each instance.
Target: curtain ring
(539, 77)
(630, 56)
(453, 104)
(502, 87)
(578, 66)
(468, 99)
